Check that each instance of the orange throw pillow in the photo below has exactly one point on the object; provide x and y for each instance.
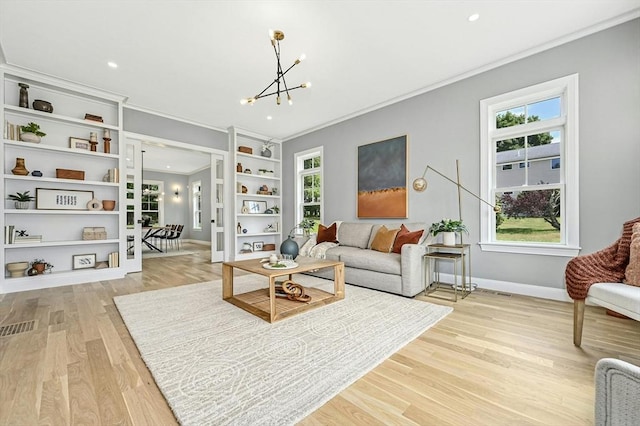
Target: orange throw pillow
(406, 237)
(632, 273)
(327, 234)
(384, 239)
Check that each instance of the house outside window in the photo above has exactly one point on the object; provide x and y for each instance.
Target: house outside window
(196, 203)
(152, 202)
(309, 194)
(533, 128)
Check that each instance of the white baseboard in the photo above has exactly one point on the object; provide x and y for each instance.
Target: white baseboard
(559, 294)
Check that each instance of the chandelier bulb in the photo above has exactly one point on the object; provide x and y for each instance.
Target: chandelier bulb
(289, 99)
(305, 85)
(278, 100)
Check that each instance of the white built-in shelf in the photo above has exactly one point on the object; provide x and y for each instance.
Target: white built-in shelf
(257, 195)
(46, 147)
(61, 212)
(58, 117)
(256, 176)
(257, 234)
(257, 157)
(257, 215)
(58, 180)
(60, 243)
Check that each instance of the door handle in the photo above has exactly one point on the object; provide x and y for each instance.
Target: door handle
(140, 221)
(213, 221)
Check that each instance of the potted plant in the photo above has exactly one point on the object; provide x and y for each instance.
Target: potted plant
(306, 225)
(31, 133)
(448, 228)
(39, 266)
(22, 199)
(275, 208)
(266, 149)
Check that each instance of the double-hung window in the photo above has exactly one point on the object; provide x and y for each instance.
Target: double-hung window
(529, 166)
(152, 204)
(309, 197)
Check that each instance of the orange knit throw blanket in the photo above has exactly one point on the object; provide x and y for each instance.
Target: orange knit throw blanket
(606, 265)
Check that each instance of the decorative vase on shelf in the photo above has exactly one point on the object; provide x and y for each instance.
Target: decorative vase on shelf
(20, 169)
(449, 238)
(266, 152)
(24, 95)
(21, 205)
(29, 137)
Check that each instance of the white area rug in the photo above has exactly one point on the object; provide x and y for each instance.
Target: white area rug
(217, 364)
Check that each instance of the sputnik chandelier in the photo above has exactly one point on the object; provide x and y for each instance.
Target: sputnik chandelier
(281, 84)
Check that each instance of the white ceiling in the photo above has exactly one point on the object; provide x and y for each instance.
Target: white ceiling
(166, 159)
(196, 59)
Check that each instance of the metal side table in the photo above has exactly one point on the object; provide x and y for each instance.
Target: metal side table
(460, 256)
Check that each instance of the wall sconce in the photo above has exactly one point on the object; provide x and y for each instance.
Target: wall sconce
(177, 192)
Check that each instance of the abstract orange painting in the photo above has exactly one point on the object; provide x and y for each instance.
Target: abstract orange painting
(382, 179)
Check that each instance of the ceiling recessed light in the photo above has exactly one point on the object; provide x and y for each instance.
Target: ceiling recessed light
(474, 17)
(168, 167)
(112, 64)
(269, 117)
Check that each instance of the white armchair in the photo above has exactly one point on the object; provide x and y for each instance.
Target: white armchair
(617, 393)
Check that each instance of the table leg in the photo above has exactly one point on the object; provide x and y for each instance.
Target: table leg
(338, 280)
(227, 281)
(272, 298)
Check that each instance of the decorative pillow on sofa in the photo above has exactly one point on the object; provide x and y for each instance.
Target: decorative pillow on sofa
(384, 239)
(406, 237)
(327, 234)
(632, 273)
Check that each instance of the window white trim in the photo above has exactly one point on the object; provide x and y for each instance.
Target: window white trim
(299, 158)
(567, 87)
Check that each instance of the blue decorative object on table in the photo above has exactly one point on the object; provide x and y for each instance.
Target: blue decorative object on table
(289, 246)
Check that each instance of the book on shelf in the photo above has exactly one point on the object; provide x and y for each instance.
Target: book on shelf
(114, 260)
(27, 239)
(9, 234)
(11, 131)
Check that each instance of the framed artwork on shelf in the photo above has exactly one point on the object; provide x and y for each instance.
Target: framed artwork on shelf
(254, 207)
(382, 179)
(258, 245)
(62, 199)
(77, 143)
(84, 261)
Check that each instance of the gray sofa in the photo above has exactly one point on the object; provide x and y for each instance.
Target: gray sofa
(390, 272)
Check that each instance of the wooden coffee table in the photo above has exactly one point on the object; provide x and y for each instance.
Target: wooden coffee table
(264, 303)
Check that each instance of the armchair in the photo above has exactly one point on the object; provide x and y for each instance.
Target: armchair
(597, 277)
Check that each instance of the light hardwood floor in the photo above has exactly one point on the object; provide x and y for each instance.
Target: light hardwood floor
(496, 360)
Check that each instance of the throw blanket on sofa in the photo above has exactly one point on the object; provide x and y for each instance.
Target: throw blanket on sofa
(607, 265)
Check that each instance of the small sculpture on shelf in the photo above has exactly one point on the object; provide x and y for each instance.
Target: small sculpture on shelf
(107, 141)
(39, 266)
(93, 140)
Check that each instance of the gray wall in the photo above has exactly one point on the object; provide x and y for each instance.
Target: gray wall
(176, 210)
(161, 127)
(443, 125)
(166, 128)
